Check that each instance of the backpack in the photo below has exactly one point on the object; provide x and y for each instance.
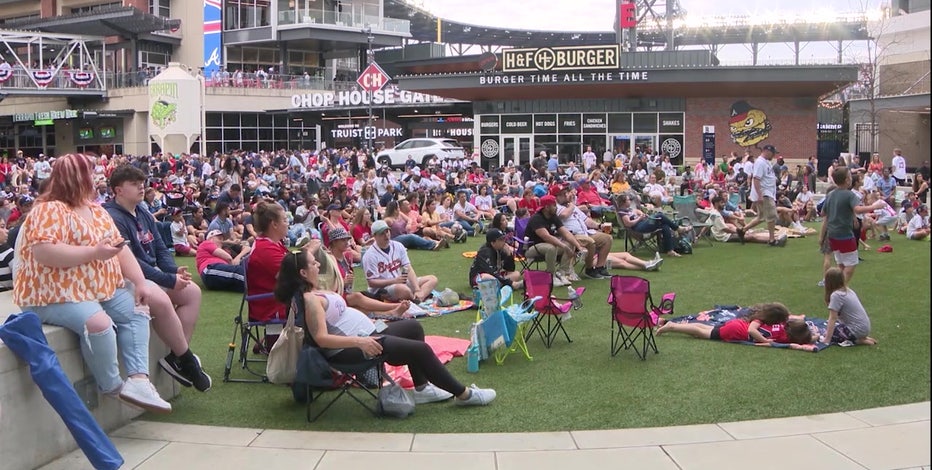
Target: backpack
(683, 247)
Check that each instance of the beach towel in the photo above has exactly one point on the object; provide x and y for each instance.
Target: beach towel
(444, 347)
(721, 314)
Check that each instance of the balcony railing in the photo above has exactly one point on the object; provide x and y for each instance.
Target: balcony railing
(356, 19)
(17, 79)
(243, 84)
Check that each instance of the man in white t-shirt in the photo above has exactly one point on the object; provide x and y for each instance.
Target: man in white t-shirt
(389, 271)
(899, 167)
(588, 159)
(764, 193)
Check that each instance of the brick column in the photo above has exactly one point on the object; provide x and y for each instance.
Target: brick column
(48, 8)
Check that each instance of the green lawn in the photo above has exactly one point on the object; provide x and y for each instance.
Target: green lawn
(579, 386)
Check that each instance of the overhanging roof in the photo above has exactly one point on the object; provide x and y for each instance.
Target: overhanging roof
(805, 81)
(424, 28)
(107, 21)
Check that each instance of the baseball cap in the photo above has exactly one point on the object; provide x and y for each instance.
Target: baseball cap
(557, 189)
(493, 234)
(379, 226)
(548, 200)
(25, 199)
(338, 233)
(213, 233)
(334, 207)
(770, 148)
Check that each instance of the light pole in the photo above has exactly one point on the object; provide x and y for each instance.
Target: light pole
(369, 59)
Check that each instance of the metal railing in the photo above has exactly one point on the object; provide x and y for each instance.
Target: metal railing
(354, 19)
(19, 79)
(245, 82)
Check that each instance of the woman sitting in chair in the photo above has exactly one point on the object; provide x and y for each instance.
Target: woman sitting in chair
(637, 221)
(347, 336)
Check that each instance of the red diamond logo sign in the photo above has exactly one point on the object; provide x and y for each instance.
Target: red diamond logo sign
(373, 78)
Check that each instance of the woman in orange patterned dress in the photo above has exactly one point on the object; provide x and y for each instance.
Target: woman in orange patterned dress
(73, 273)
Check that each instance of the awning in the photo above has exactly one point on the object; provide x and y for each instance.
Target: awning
(125, 21)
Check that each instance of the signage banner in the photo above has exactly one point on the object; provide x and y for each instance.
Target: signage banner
(545, 123)
(517, 124)
(671, 123)
(561, 58)
(488, 125)
(673, 145)
(385, 97)
(61, 114)
(561, 78)
(594, 123)
(213, 48)
(570, 123)
(366, 133)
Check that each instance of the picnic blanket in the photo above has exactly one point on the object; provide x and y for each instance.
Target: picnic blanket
(444, 347)
(427, 308)
(720, 314)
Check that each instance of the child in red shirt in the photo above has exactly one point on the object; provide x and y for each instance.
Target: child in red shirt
(774, 317)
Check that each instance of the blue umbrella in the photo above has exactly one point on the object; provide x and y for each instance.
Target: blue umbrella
(23, 335)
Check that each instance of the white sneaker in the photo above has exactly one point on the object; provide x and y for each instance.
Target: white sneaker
(571, 276)
(477, 396)
(430, 394)
(141, 393)
(559, 280)
(304, 240)
(656, 255)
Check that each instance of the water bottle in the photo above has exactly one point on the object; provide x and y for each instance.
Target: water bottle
(573, 297)
(472, 359)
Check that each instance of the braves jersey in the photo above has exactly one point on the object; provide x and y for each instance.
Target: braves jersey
(384, 264)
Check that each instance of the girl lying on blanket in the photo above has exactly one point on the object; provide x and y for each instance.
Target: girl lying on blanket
(784, 328)
(847, 319)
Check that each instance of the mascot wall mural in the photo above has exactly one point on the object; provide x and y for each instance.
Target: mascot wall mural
(748, 125)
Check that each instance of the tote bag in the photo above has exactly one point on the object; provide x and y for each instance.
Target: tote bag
(283, 358)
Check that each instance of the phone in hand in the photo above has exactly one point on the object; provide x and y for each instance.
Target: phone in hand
(121, 244)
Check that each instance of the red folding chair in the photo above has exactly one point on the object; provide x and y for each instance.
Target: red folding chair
(635, 315)
(551, 309)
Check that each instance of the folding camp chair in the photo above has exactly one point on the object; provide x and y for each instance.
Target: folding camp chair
(356, 380)
(686, 209)
(492, 302)
(635, 315)
(553, 309)
(520, 243)
(248, 333)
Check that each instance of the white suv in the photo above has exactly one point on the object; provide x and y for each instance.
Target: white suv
(421, 150)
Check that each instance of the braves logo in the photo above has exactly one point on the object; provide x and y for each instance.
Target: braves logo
(81, 78)
(214, 58)
(389, 267)
(43, 77)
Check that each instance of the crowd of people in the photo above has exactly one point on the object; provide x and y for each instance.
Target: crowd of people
(95, 240)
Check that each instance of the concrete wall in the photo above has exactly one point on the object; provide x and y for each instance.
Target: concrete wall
(793, 122)
(191, 50)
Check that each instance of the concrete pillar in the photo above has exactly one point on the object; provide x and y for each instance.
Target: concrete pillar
(48, 8)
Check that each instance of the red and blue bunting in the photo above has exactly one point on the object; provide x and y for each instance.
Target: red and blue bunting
(81, 78)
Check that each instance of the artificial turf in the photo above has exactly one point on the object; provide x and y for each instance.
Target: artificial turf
(574, 386)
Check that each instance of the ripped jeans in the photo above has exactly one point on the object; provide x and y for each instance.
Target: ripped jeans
(100, 349)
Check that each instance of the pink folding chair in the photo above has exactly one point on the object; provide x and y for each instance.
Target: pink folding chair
(635, 315)
(551, 310)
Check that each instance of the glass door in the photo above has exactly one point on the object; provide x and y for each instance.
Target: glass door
(621, 144)
(643, 143)
(517, 149)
